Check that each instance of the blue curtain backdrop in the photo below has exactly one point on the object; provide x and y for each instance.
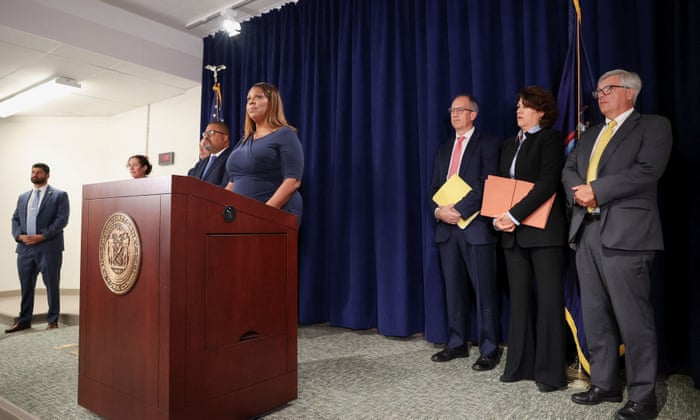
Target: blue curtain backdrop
(367, 83)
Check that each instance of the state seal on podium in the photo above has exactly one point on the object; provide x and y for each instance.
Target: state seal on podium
(120, 253)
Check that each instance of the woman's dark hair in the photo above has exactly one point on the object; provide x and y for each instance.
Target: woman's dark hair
(540, 100)
(143, 160)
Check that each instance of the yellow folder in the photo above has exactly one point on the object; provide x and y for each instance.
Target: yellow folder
(453, 190)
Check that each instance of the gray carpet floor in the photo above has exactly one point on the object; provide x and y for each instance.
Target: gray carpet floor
(343, 374)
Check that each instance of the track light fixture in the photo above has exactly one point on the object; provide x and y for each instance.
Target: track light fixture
(231, 24)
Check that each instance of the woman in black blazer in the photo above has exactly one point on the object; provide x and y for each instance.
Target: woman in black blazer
(535, 257)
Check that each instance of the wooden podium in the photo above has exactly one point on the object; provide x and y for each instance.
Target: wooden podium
(209, 326)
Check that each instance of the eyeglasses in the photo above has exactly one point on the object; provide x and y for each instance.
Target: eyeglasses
(211, 133)
(458, 110)
(607, 90)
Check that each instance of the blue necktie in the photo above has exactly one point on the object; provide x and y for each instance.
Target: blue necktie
(212, 158)
(33, 210)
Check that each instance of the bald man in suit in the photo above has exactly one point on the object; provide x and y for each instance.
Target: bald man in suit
(616, 226)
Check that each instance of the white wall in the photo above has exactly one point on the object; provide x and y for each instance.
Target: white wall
(85, 151)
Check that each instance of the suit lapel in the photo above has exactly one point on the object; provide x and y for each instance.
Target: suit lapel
(469, 151)
(586, 148)
(617, 138)
(23, 205)
(200, 168)
(48, 194)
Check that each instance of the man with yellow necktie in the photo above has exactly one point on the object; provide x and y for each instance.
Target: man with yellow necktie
(611, 180)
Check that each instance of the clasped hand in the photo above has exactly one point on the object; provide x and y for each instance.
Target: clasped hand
(448, 214)
(584, 196)
(31, 239)
(504, 223)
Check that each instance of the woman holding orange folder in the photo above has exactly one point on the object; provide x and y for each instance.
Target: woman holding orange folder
(535, 257)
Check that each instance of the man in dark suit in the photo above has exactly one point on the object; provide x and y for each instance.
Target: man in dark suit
(611, 180)
(37, 226)
(467, 256)
(216, 141)
(201, 161)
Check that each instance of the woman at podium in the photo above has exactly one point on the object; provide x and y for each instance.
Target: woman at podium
(268, 162)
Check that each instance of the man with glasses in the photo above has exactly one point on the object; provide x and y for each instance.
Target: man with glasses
(468, 254)
(215, 140)
(611, 180)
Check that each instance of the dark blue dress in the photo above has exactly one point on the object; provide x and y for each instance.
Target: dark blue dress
(258, 167)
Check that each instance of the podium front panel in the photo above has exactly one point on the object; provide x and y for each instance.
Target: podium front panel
(106, 318)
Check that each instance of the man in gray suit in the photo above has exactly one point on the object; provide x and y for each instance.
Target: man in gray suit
(611, 180)
(37, 227)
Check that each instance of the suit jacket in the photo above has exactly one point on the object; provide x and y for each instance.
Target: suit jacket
(198, 168)
(479, 160)
(539, 161)
(217, 174)
(626, 186)
(50, 221)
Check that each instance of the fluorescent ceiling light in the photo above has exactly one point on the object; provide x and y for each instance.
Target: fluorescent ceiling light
(37, 95)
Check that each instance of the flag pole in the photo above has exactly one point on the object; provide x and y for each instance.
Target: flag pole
(575, 373)
(577, 6)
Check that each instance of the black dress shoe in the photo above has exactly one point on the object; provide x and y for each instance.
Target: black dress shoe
(596, 395)
(509, 379)
(488, 362)
(19, 326)
(448, 354)
(636, 411)
(542, 387)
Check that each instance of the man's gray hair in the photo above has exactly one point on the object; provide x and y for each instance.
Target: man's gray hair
(627, 78)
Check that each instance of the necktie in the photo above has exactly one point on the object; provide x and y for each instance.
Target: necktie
(33, 210)
(212, 158)
(456, 157)
(521, 139)
(592, 173)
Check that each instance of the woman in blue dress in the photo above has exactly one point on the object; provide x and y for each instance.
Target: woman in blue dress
(268, 162)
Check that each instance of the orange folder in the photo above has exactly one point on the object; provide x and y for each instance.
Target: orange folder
(501, 194)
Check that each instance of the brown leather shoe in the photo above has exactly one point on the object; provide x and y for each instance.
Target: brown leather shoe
(19, 326)
(52, 325)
